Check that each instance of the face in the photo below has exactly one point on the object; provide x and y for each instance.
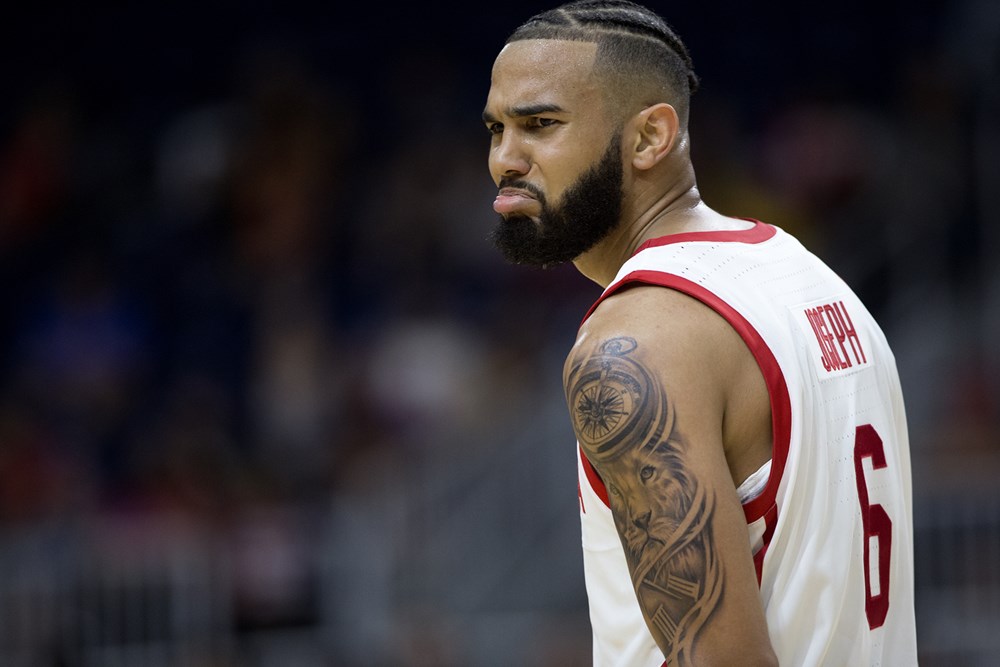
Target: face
(553, 152)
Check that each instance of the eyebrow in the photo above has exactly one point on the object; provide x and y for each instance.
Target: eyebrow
(529, 110)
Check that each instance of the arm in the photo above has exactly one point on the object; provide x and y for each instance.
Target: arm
(647, 399)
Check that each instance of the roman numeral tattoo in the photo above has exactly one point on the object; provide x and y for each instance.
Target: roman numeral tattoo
(627, 427)
(661, 619)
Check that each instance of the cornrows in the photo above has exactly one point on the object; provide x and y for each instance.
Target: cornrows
(597, 20)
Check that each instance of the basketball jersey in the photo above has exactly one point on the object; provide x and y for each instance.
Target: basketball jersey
(831, 531)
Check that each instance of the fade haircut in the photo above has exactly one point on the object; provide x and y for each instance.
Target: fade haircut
(638, 54)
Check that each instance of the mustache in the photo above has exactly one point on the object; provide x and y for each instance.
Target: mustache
(523, 185)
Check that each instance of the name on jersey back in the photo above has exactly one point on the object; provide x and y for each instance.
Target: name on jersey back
(840, 349)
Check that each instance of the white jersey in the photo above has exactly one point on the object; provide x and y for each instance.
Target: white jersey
(831, 531)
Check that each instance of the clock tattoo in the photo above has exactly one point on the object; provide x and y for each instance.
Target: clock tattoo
(612, 398)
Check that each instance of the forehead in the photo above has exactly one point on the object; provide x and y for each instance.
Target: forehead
(540, 71)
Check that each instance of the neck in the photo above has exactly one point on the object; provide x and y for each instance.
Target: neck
(649, 213)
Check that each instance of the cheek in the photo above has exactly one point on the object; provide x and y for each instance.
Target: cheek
(559, 170)
(558, 173)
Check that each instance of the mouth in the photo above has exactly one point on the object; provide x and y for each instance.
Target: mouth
(513, 200)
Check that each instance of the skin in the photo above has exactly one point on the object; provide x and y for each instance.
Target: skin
(665, 398)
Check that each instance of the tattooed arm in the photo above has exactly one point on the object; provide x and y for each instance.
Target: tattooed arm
(648, 386)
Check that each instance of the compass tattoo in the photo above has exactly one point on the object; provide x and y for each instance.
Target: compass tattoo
(626, 426)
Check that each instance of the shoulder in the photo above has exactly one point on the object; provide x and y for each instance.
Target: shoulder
(680, 337)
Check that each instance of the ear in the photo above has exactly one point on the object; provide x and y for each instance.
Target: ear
(656, 130)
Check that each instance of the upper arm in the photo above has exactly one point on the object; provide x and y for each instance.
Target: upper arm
(647, 397)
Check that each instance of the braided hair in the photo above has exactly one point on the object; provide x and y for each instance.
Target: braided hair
(635, 47)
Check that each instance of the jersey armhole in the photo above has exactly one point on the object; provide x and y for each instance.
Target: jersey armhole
(781, 418)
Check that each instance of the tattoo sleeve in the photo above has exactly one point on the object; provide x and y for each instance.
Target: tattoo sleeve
(627, 427)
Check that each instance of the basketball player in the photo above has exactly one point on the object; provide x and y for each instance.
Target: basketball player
(743, 455)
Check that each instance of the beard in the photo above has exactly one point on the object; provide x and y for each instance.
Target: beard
(589, 210)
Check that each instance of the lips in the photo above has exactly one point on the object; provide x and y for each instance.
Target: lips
(511, 200)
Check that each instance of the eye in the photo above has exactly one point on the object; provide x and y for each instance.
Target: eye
(647, 473)
(536, 123)
(494, 128)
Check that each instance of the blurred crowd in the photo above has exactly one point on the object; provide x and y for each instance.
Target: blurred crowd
(246, 285)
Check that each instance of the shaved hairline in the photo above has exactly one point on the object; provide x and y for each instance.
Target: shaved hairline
(626, 91)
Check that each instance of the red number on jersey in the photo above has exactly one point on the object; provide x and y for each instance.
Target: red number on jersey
(876, 523)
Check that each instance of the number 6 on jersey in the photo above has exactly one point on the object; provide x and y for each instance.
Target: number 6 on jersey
(876, 523)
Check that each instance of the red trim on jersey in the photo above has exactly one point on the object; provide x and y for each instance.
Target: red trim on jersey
(770, 520)
(596, 483)
(759, 233)
(781, 408)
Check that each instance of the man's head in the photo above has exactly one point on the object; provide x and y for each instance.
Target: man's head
(581, 97)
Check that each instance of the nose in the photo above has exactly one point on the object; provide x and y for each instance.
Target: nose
(508, 157)
(642, 521)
